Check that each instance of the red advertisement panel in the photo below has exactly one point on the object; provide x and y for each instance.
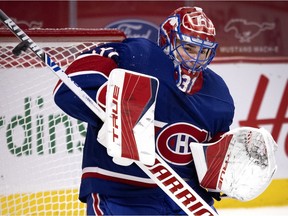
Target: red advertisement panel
(244, 28)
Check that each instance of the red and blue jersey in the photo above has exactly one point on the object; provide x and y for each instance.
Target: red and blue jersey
(179, 117)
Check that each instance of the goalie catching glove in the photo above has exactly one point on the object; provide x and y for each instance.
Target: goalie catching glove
(240, 165)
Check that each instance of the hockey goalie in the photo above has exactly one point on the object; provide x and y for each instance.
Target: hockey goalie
(193, 103)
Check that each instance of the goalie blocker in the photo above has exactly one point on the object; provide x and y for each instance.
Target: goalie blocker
(128, 131)
(241, 164)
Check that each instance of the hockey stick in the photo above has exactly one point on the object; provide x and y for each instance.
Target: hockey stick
(163, 175)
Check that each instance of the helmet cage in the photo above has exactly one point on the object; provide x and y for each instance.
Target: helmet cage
(197, 63)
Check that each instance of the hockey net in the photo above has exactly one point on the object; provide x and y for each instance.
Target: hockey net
(40, 146)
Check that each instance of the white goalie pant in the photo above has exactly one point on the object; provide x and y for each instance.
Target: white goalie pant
(241, 164)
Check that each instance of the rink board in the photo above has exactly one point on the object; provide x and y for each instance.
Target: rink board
(275, 195)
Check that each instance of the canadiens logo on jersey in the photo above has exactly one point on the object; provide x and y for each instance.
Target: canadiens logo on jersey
(173, 141)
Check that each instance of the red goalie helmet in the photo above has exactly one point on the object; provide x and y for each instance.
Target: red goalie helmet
(188, 26)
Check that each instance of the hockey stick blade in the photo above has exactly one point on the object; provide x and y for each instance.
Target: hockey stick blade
(163, 175)
(23, 46)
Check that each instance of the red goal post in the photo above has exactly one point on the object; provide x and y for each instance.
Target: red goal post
(40, 146)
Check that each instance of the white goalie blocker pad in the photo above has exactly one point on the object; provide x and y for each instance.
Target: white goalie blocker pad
(241, 164)
(128, 131)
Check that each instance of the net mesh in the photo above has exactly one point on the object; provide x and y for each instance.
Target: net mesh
(63, 55)
(40, 146)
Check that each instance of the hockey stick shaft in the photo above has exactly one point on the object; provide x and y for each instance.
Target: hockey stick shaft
(176, 188)
(163, 175)
(23, 37)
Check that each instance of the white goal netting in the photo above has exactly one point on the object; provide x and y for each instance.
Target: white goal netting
(40, 146)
